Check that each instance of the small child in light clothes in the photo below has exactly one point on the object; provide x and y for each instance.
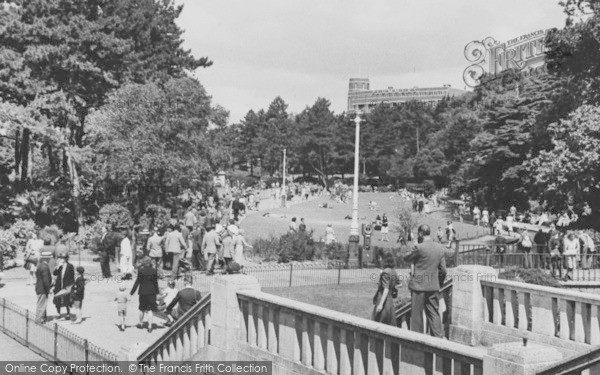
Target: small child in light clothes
(167, 297)
(122, 299)
(440, 234)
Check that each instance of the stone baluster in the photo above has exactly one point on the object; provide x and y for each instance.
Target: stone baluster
(372, 362)
(320, 339)
(564, 332)
(594, 325)
(498, 304)
(288, 340)
(272, 333)
(391, 357)
(252, 324)
(359, 353)
(194, 338)
(579, 334)
(187, 348)
(523, 299)
(306, 344)
(332, 361)
(509, 309)
(261, 333)
(346, 345)
(201, 333)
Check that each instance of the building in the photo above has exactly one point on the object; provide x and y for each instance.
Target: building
(362, 98)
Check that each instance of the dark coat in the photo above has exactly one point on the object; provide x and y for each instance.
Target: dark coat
(43, 279)
(78, 289)
(430, 266)
(68, 279)
(186, 297)
(108, 244)
(147, 281)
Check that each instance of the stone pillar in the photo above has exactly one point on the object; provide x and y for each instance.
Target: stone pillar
(515, 359)
(227, 326)
(468, 303)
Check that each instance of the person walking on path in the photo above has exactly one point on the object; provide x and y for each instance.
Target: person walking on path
(106, 248)
(65, 278)
(147, 281)
(383, 300)
(190, 218)
(42, 285)
(239, 243)
(175, 245)
(32, 255)
(197, 258)
(126, 256)
(571, 251)
(77, 294)
(228, 247)
(121, 299)
(384, 228)
(210, 244)
(155, 249)
(426, 281)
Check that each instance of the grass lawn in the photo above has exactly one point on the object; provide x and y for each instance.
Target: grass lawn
(277, 222)
(353, 299)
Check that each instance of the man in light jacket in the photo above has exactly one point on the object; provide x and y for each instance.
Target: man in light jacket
(175, 245)
(210, 245)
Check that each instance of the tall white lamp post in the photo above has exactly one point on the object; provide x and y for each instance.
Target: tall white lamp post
(283, 190)
(353, 247)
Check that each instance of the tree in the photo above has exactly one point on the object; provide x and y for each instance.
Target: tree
(569, 173)
(151, 136)
(61, 58)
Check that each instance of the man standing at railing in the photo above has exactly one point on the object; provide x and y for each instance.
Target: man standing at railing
(426, 281)
(42, 285)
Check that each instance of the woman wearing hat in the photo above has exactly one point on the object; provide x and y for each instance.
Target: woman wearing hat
(65, 278)
(126, 256)
(147, 281)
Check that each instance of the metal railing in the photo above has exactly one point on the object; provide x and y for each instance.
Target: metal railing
(52, 342)
(181, 342)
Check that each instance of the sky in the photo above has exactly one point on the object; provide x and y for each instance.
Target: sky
(305, 49)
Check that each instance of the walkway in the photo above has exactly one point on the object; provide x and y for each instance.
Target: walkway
(11, 350)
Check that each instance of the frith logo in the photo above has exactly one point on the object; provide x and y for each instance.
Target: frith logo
(526, 52)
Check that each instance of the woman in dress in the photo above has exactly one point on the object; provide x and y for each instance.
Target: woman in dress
(32, 255)
(126, 256)
(240, 242)
(329, 235)
(383, 300)
(147, 282)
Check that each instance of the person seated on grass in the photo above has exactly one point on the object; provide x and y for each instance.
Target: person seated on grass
(186, 298)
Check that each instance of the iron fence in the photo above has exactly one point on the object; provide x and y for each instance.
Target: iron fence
(52, 342)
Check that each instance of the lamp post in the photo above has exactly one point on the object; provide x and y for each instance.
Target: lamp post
(354, 234)
(283, 190)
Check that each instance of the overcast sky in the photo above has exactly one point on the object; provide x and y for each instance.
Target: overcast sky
(305, 49)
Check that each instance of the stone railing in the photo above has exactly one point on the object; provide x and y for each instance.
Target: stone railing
(562, 318)
(404, 313)
(184, 339)
(322, 340)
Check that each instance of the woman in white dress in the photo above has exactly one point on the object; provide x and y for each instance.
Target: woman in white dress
(329, 235)
(239, 243)
(126, 257)
(32, 255)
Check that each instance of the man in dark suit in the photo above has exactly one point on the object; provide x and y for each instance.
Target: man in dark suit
(186, 298)
(105, 248)
(147, 281)
(65, 278)
(42, 285)
(426, 281)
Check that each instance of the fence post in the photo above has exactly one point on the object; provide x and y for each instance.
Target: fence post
(487, 257)
(86, 351)
(56, 342)
(339, 272)
(291, 270)
(26, 327)
(3, 313)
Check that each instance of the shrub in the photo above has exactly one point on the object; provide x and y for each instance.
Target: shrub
(530, 276)
(116, 216)
(266, 248)
(297, 246)
(271, 180)
(332, 251)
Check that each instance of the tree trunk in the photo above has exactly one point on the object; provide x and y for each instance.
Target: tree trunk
(25, 156)
(18, 155)
(76, 188)
(51, 160)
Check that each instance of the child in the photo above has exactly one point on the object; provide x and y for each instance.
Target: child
(77, 295)
(122, 299)
(440, 234)
(168, 295)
